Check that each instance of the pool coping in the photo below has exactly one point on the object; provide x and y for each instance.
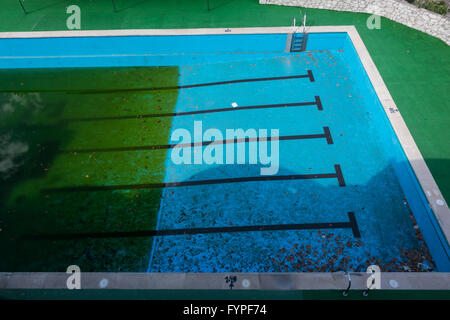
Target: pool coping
(217, 281)
(430, 189)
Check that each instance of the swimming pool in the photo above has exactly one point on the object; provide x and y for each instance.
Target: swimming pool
(343, 197)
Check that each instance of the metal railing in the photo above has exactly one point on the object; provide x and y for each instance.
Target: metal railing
(304, 23)
(294, 22)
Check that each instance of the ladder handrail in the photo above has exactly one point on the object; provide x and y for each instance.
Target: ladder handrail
(23, 7)
(304, 23)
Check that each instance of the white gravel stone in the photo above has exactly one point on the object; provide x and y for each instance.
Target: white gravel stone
(396, 10)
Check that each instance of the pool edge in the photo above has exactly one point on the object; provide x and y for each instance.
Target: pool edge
(217, 281)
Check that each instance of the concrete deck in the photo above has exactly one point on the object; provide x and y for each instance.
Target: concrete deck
(216, 281)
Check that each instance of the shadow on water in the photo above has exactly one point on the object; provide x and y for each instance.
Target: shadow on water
(28, 152)
(25, 142)
(32, 136)
(27, 149)
(388, 235)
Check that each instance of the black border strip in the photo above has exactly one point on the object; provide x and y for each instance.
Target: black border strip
(317, 103)
(327, 132)
(191, 231)
(310, 75)
(337, 175)
(188, 86)
(326, 135)
(354, 225)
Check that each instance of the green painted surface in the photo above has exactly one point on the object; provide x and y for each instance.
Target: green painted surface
(414, 65)
(40, 129)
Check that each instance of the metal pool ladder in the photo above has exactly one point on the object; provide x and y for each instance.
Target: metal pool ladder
(299, 40)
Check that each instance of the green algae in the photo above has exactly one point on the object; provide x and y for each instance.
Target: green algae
(413, 64)
(40, 123)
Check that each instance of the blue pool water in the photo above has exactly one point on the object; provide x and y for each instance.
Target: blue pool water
(380, 187)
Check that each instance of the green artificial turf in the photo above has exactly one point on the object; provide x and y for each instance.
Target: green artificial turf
(43, 117)
(105, 294)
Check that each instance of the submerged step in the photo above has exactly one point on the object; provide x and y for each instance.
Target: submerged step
(298, 43)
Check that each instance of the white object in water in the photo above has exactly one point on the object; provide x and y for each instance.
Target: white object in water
(393, 283)
(103, 283)
(234, 104)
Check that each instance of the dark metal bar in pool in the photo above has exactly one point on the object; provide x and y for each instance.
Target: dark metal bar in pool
(354, 225)
(317, 103)
(337, 175)
(309, 75)
(326, 135)
(191, 231)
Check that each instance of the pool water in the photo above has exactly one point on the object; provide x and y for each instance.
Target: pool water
(361, 146)
(344, 196)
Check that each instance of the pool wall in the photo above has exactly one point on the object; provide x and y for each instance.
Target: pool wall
(131, 51)
(423, 213)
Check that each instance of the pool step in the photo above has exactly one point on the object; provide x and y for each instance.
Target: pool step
(298, 43)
